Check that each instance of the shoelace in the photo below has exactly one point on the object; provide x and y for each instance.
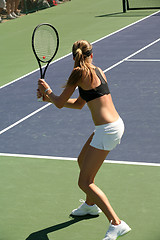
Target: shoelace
(81, 201)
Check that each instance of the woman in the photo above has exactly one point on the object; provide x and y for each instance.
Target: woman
(109, 128)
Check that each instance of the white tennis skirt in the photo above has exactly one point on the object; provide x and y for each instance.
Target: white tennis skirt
(108, 136)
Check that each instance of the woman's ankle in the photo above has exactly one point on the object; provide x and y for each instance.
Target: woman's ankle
(115, 222)
(89, 203)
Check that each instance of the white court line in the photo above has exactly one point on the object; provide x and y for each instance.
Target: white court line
(106, 70)
(125, 59)
(100, 39)
(23, 119)
(7, 84)
(143, 60)
(131, 55)
(75, 159)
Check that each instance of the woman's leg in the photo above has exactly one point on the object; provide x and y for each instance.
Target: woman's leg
(81, 157)
(89, 166)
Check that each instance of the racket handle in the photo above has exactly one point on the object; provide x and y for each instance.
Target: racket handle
(40, 99)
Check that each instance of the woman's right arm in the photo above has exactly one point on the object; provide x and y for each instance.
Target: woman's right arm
(61, 101)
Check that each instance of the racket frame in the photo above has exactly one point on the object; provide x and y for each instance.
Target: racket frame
(42, 74)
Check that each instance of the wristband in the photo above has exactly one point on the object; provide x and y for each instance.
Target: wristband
(47, 90)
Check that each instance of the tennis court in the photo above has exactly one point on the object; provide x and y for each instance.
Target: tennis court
(38, 166)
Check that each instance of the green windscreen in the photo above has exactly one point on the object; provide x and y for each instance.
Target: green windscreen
(143, 4)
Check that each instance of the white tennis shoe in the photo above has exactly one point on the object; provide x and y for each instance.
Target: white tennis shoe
(85, 209)
(116, 231)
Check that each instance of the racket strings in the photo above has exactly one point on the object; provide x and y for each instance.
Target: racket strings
(45, 43)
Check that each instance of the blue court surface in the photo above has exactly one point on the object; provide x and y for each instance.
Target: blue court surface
(130, 58)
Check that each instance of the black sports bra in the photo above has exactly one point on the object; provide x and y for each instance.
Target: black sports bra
(97, 92)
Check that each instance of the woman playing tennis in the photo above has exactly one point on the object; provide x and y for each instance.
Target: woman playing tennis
(109, 128)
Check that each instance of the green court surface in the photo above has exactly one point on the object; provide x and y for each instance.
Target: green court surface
(74, 20)
(37, 196)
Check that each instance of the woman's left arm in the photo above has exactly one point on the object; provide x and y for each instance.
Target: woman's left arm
(76, 103)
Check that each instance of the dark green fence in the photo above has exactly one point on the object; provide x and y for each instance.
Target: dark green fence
(140, 4)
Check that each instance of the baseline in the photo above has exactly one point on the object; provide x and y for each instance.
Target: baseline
(75, 159)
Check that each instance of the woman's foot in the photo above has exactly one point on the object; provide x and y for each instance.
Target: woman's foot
(85, 209)
(115, 231)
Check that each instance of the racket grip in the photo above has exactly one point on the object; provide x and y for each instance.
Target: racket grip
(40, 99)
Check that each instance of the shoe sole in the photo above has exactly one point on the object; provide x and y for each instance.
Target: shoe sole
(92, 214)
(84, 215)
(125, 233)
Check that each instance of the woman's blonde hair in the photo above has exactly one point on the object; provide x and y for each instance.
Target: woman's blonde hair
(81, 51)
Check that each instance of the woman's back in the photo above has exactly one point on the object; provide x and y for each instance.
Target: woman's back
(100, 104)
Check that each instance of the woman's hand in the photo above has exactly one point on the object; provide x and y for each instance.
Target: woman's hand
(43, 86)
(41, 91)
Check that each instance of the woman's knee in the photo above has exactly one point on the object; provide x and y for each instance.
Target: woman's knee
(84, 182)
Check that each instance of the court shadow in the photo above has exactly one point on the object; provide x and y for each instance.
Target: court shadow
(42, 234)
(127, 14)
(110, 14)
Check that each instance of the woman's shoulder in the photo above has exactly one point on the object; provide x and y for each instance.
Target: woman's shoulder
(102, 73)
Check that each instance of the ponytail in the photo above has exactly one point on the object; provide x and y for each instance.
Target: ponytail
(76, 75)
(82, 66)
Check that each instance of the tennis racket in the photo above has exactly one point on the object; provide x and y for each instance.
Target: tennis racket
(45, 43)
